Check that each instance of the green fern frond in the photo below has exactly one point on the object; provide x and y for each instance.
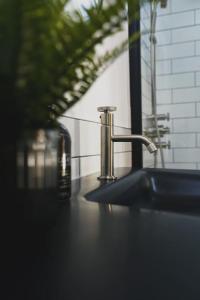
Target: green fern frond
(48, 54)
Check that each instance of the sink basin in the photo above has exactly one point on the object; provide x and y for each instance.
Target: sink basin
(158, 189)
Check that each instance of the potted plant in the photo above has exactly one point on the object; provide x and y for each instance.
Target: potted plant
(47, 59)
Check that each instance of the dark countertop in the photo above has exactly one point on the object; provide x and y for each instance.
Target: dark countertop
(88, 250)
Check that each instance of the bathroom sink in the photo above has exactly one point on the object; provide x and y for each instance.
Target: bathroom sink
(157, 189)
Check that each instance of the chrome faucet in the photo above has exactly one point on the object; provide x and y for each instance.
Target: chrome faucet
(107, 142)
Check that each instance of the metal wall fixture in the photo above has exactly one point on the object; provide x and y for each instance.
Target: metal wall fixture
(163, 145)
(159, 117)
(155, 117)
(108, 138)
(152, 131)
(163, 3)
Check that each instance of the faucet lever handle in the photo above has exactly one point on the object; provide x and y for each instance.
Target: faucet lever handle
(107, 109)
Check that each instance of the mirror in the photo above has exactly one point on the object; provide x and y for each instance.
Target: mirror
(170, 67)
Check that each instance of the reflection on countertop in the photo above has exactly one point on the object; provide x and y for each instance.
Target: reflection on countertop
(98, 251)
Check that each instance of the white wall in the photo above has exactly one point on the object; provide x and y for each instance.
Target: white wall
(82, 120)
(178, 84)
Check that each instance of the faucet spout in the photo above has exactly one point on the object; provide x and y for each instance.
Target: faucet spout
(108, 138)
(130, 138)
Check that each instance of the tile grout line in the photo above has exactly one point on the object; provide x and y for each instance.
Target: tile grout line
(97, 155)
(90, 121)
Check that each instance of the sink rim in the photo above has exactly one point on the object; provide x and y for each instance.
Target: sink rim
(147, 184)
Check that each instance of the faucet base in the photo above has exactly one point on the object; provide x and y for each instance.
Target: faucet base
(107, 178)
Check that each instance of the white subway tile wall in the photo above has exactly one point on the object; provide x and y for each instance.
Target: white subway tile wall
(174, 81)
(182, 140)
(172, 21)
(198, 109)
(175, 50)
(186, 64)
(186, 125)
(184, 5)
(180, 110)
(197, 47)
(198, 78)
(187, 155)
(178, 80)
(186, 34)
(164, 97)
(184, 166)
(163, 37)
(186, 95)
(164, 67)
(83, 166)
(197, 16)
